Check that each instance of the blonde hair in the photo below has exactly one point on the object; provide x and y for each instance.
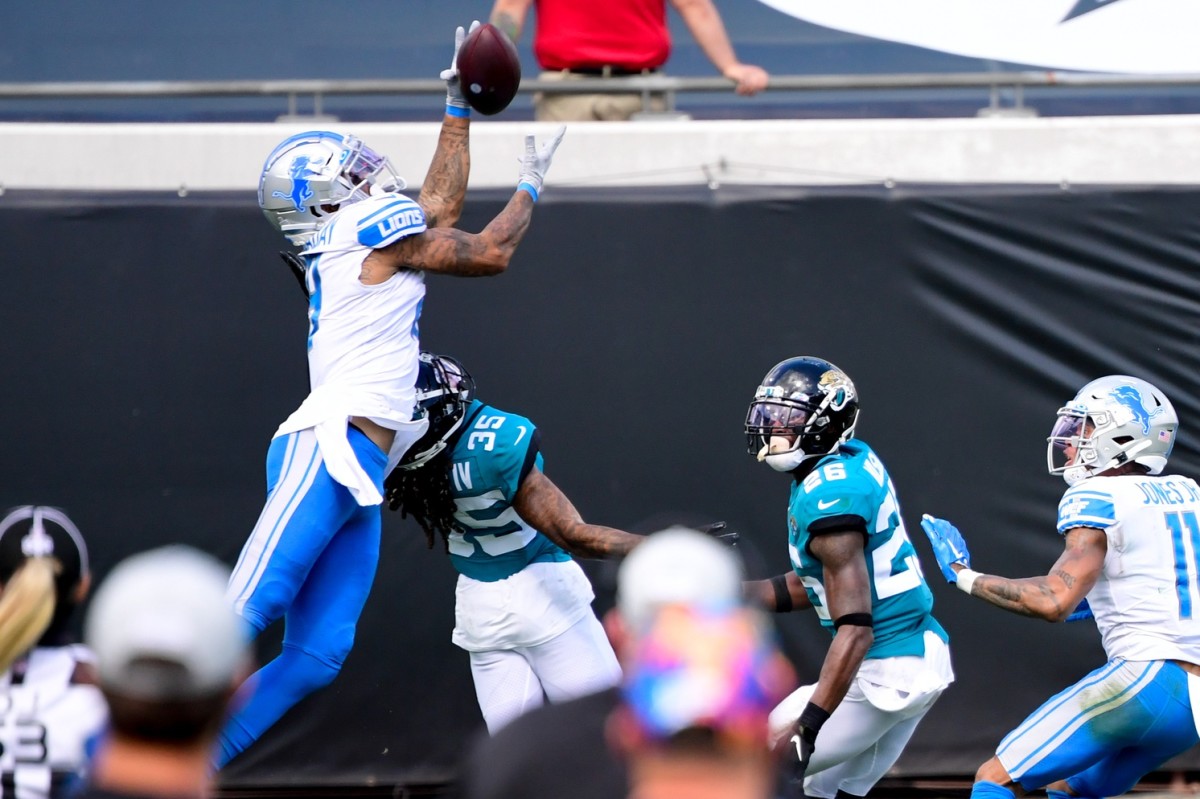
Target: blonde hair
(26, 607)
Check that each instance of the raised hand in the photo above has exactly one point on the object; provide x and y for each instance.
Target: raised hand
(948, 545)
(454, 95)
(536, 161)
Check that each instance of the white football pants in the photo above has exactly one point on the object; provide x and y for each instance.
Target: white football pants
(509, 682)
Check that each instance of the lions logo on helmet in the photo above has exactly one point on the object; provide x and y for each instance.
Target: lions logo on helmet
(308, 177)
(804, 408)
(1112, 421)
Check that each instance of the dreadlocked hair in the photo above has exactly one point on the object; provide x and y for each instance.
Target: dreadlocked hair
(424, 494)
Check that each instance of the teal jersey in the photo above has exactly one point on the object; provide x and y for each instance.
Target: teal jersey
(494, 452)
(851, 488)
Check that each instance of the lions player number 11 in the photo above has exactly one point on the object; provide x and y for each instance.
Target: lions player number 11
(1177, 522)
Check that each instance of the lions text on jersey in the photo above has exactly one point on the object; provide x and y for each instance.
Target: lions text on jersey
(852, 482)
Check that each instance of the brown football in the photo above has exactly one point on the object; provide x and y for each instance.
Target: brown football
(489, 69)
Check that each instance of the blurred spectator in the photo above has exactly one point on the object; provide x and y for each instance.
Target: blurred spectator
(170, 653)
(595, 41)
(564, 749)
(692, 723)
(52, 708)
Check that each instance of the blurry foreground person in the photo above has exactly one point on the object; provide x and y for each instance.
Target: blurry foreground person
(699, 685)
(52, 710)
(564, 749)
(170, 653)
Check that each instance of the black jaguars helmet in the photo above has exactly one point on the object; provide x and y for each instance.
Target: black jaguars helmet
(804, 408)
(444, 392)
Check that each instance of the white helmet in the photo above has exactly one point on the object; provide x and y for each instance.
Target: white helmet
(1112, 421)
(310, 174)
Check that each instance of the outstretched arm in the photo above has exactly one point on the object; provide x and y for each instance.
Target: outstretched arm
(1056, 595)
(778, 594)
(445, 186)
(703, 20)
(540, 503)
(454, 252)
(509, 16)
(1053, 597)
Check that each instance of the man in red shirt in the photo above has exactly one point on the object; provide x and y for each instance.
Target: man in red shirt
(615, 38)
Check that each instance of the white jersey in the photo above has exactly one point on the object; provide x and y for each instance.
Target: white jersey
(47, 722)
(1147, 599)
(363, 339)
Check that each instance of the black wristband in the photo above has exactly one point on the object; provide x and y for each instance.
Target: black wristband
(854, 620)
(783, 597)
(811, 721)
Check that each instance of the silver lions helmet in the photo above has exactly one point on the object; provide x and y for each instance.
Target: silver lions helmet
(1112, 421)
(309, 176)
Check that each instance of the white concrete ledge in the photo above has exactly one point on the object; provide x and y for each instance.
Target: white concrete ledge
(194, 157)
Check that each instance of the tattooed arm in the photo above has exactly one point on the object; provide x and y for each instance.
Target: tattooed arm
(455, 252)
(547, 509)
(509, 16)
(1054, 596)
(445, 185)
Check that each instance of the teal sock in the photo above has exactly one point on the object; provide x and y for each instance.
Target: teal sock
(991, 790)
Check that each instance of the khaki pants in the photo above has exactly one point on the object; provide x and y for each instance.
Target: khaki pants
(589, 107)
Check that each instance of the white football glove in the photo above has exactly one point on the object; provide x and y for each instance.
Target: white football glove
(536, 161)
(454, 95)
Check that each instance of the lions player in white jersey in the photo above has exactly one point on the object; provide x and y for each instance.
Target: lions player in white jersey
(365, 249)
(52, 711)
(1132, 545)
(523, 606)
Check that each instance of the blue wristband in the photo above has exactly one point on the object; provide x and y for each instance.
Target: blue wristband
(457, 111)
(529, 188)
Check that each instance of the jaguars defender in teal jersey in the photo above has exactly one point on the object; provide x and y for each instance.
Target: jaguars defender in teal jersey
(852, 563)
(522, 605)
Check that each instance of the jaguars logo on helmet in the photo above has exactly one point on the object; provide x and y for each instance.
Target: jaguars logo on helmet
(804, 408)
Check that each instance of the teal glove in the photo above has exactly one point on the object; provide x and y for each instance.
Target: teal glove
(948, 545)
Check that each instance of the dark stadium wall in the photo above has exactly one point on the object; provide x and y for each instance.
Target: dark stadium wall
(152, 344)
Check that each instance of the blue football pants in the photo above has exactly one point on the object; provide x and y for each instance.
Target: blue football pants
(1106, 731)
(310, 560)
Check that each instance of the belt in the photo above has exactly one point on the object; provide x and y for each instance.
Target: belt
(608, 71)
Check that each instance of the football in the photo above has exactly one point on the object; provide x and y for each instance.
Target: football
(489, 69)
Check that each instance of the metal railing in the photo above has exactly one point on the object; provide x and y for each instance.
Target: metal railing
(658, 84)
